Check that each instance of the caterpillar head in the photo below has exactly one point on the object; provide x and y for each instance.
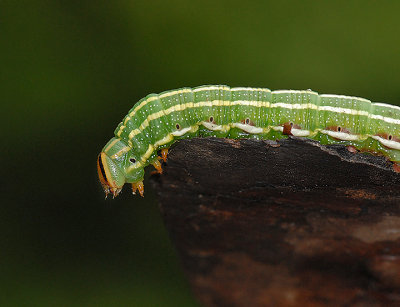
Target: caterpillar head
(116, 165)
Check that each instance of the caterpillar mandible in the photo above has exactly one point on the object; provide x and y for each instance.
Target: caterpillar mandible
(158, 120)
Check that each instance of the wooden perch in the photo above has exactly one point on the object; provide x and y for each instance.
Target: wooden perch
(288, 223)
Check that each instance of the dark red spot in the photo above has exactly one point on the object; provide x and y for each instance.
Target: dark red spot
(247, 121)
(389, 137)
(338, 129)
(287, 129)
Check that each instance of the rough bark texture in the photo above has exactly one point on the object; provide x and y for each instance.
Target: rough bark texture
(289, 223)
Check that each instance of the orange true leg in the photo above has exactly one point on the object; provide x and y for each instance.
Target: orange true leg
(157, 166)
(138, 186)
(164, 153)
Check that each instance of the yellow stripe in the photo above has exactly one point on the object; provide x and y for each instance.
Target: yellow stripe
(144, 102)
(111, 145)
(153, 98)
(143, 159)
(109, 178)
(147, 154)
(121, 152)
(121, 128)
(165, 140)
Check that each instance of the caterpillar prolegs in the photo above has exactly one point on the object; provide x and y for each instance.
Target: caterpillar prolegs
(158, 120)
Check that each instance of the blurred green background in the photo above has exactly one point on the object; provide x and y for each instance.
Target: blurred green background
(70, 71)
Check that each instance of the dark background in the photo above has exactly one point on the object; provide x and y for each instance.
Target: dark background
(70, 71)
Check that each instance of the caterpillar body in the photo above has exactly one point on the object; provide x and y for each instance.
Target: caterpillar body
(158, 120)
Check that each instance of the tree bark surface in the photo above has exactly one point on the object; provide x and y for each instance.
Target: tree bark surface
(288, 223)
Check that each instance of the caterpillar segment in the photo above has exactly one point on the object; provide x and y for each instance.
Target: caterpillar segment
(158, 120)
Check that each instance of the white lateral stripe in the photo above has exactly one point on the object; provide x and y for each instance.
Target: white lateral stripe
(248, 128)
(181, 132)
(295, 132)
(277, 128)
(343, 110)
(212, 126)
(387, 143)
(165, 140)
(341, 135)
(300, 132)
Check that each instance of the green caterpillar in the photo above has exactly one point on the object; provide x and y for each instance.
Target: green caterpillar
(157, 121)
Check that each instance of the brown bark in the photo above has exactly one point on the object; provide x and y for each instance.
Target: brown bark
(289, 223)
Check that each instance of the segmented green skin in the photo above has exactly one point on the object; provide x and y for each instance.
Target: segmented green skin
(156, 121)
